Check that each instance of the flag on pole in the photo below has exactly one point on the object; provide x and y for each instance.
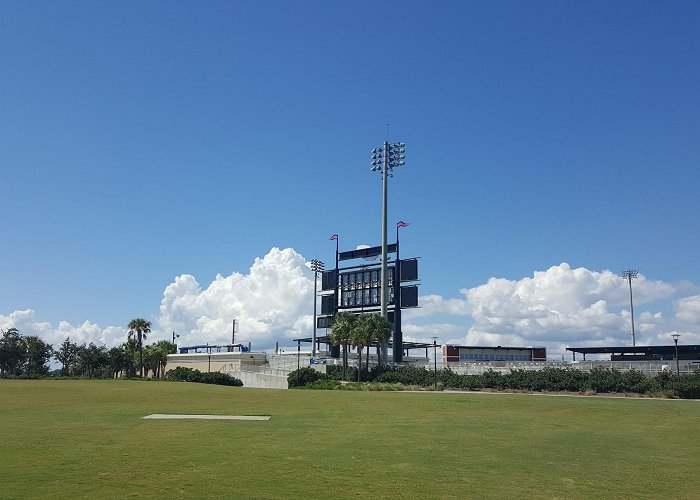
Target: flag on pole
(402, 224)
(334, 237)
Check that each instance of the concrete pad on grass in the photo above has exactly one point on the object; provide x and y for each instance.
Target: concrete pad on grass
(164, 416)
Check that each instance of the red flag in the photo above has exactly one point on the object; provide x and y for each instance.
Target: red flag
(402, 224)
(334, 237)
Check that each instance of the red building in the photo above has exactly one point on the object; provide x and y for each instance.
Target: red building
(476, 354)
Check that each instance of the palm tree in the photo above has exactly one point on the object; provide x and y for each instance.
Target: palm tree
(156, 356)
(341, 333)
(138, 328)
(130, 347)
(150, 360)
(360, 338)
(380, 330)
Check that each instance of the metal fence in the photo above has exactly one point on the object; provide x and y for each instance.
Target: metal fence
(496, 366)
(645, 367)
(282, 365)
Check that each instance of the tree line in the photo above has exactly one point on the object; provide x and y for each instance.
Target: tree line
(29, 356)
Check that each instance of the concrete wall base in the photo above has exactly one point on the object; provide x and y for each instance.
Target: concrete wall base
(259, 380)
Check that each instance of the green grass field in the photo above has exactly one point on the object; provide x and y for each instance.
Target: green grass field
(87, 439)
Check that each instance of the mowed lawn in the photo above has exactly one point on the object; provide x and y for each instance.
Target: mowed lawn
(87, 439)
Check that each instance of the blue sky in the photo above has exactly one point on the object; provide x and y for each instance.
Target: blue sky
(142, 141)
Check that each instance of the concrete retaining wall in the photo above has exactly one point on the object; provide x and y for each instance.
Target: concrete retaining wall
(259, 380)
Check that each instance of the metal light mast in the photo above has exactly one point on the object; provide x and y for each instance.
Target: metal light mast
(435, 363)
(317, 267)
(629, 275)
(675, 336)
(384, 160)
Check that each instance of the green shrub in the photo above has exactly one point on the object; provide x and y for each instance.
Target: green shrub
(353, 386)
(687, 386)
(380, 386)
(603, 380)
(664, 380)
(409, 375)
(220, 378)
(636, 382)
(182, 374)
(493, 380)
(303, 376)
(547, 379)
(448, 378)
(470, 382)
(336, 373)
(322, 384)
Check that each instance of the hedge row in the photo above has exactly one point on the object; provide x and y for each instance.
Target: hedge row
(548, 379)
(182, 374)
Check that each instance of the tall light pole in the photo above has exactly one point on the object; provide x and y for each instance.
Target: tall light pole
(435, 362)
(316, 267)
(678, 366)
(384, 160)
(629, 275)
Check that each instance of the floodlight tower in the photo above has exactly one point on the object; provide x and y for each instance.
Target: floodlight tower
(317, 267)
(435, 362)
(384, 160)
(629, 275)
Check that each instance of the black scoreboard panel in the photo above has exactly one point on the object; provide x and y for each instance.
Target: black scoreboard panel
(362, 288)
(409, 270)
(328, 304)
(328, 280)
(409, 296)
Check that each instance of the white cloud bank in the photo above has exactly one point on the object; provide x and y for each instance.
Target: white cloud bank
(25, 322)
(558, 307)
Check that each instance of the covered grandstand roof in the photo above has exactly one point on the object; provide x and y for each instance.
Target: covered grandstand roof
(326, 339)
(645, 349)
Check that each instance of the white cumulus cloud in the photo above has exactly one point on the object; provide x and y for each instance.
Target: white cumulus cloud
(688, 310)
(272, 302)
(424, 333)
(559, 306)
